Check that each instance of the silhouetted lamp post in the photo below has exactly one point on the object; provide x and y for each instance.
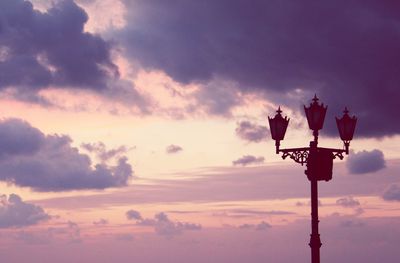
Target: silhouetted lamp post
(319, 160)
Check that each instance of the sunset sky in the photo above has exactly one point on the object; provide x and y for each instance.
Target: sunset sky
(137, 130)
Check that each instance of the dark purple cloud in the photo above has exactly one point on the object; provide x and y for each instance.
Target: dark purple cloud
(392, 193)
(16, 213)
(218, 98)
(251, 132)
(41, 49)
(17, 137)
(366, 162)
(50, 163)
(248, 160)
(347, 52)
(173, 149)
(36, 41)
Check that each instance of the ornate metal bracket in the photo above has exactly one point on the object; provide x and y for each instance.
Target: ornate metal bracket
(300, 155)
(336, 152)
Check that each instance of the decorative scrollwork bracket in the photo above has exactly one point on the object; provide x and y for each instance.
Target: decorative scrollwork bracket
(300, 155)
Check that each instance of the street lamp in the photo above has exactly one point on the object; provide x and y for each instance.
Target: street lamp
(319, 161)
(278, 126)
(346, 126)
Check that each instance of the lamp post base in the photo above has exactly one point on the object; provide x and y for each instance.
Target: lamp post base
(315, 244)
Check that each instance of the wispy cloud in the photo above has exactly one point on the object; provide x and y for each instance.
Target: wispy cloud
(348, 202)
(248, 160)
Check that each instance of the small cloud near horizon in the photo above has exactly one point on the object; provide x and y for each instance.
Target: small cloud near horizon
(248, 160)
(162, 224)
(171, 149)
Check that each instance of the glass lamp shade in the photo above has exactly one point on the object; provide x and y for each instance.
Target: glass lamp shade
(315, 114)
(278, 126)
(346, 126)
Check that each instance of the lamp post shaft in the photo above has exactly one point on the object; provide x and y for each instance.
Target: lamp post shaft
(315, 241)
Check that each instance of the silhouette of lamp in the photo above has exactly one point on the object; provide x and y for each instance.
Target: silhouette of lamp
(278, 126)
(346, 126)
(315, 114)
(319, 160)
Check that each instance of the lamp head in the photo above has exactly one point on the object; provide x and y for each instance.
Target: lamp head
(315, 114)
(346, 126)
(278, 126)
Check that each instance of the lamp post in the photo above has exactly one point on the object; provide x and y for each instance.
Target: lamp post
(319, 161)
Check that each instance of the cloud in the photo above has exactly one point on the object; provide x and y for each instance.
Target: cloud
(50, 163)
(101, 151)
(74, 232)
(365, 162)
(392, 193)
(251, 132)
(342, 51)
(165, 227)
(33, 238)
(100, 222)
(248, 160)
(41, 49)
(69, 232)
(259, 227)
(17, 137)
(162, 224)
(133, 215)
(16, 213)
(262, 226)
(218, 97)
(173, 149)
(347, 202)
(50, 49)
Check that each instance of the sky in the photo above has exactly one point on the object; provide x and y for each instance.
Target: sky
(137, 131)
